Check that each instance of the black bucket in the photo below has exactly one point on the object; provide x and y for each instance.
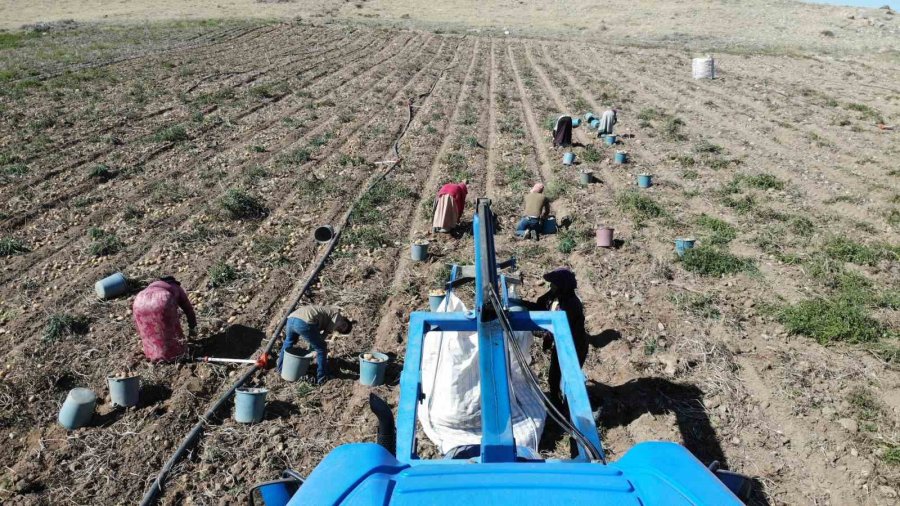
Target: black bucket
(324, 234)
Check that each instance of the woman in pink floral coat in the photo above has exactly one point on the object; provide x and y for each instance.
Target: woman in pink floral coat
(158, 321)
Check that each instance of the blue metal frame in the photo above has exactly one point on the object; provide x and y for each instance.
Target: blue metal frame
(498, 443)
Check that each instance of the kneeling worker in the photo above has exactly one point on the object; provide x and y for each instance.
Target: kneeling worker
(309, 322)
(537, 208)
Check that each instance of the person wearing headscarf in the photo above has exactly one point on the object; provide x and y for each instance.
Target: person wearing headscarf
(607, 122)
(158, 322)
(449, 206)
(537, 208)
(562, 297)
(562, 131)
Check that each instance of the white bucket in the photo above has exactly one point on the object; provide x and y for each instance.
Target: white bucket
(704, 68)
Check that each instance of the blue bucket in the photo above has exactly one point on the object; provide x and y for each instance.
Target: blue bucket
(610, 139)
(683, 244)
(435, 299)
(78, 408)
(586, 177)
(568, 158)
(589, 116)
(549, 226)
(295, 364)
(124, 391)
(645, 180)
(249, 404)
(111, 286)
(621, 157)
(576, 122)
(371, 369)
(419, 251)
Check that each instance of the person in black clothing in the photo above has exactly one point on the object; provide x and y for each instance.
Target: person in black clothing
(562, 290)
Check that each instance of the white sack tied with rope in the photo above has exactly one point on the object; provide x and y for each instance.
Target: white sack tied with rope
(451, 411)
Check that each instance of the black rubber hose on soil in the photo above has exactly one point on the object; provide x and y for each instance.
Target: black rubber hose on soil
(152, 493)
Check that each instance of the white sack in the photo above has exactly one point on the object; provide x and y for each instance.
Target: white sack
(451, 412)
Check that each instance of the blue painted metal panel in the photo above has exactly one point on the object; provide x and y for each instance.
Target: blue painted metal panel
(364, 474)
(497, 441)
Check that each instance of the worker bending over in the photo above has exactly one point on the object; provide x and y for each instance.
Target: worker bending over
(607, 122)
(158, 321)
(537, 208)
(562, 131)
(449, 206)
(562, 297)
(310, 322)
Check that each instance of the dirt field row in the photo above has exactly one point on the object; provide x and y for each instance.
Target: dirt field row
(772, 347)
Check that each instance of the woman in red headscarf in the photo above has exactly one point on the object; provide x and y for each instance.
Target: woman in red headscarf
(449, 206)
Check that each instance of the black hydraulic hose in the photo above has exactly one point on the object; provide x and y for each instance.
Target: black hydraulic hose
(153, 492)
(387, 430)
(595, 453)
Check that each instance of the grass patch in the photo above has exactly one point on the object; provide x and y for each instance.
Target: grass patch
(103, 243)
(671, 129)
(516, 175)
(557, 188)
(719, 232)
(640, 207)
(63, 325)
(367, 237)
(166, 192)
(741, 205)
(701, 305)
(567, 242)
(706, 147)
(296, 157)
(174, 133)
(866, 112)
(845, 250)
(764, 182)
(10, 246)
(221, 274)
(348, 160)
(101, 173)
(591, 155)
(239, 204)
(708, 261)
(368, 210)
(827, 319)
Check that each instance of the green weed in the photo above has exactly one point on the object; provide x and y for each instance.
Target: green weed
(296, 157)
(368, 209)
(10, 246)
(720, 232)
(221, 274)
(706, 147)
(101, 173)
(701, 305)
(239, 204)
(175, 133)
(567, 242)
(103, 243)
(516, 175)
(591, 155)
(708, 261)
(63, 325)
(845, 250)
(640, 207)
(764, 182)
